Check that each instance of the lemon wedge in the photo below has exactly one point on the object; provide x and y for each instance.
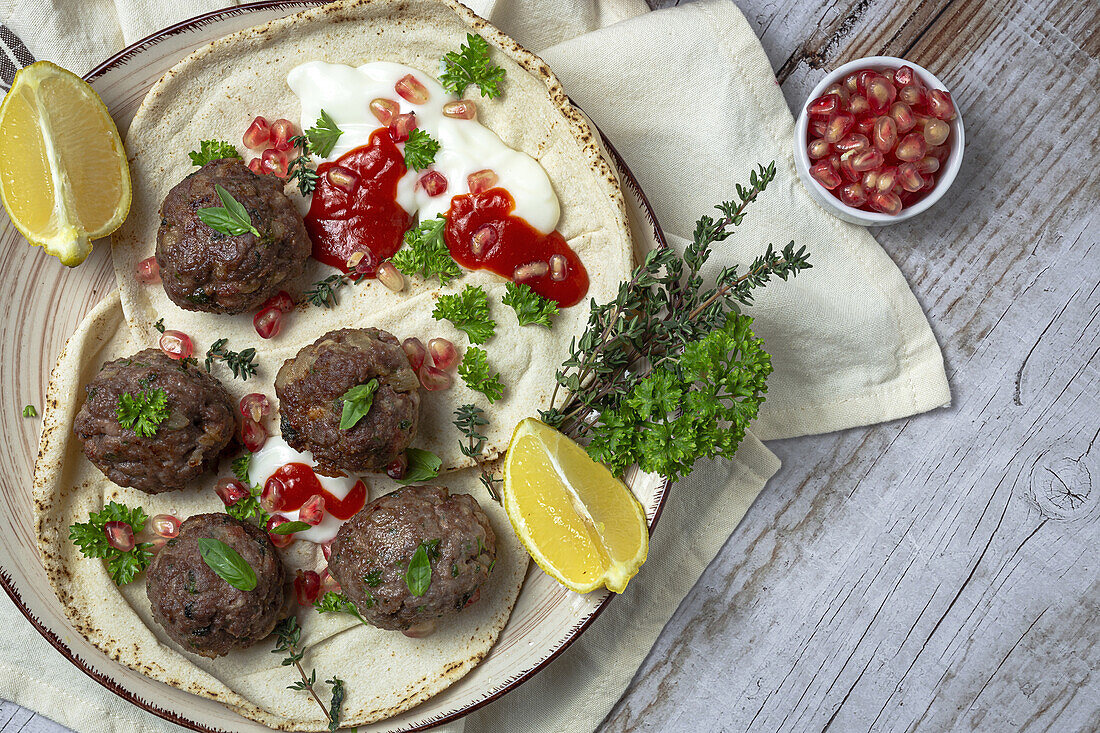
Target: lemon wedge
(64, 179)
(579, 522)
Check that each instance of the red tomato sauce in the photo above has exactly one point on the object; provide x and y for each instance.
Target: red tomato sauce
(368, 219)
(296, 483)
(513, 243)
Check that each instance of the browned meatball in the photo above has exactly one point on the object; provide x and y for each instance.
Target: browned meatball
(372, 552)
(201, 611)
(203, 269)
(310, 387)
(200, 422)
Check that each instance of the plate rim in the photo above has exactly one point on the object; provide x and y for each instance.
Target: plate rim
(7, 582)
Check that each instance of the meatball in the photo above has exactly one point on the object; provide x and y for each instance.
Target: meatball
(372, 551)
(310, 387)
(201, 611)
(203, 269)
(199, 424)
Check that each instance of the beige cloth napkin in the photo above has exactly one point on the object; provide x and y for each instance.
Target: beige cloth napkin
(688, 97)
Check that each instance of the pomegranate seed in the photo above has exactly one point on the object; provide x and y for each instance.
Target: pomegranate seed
(401, 126)
(870, 181)
(484, 237)
(859, 106)
(559, 268)
(887, 180)
(902, 114)
(444, 354)
(853, 141)
(481, 180)
(885, 134)
(463, 109)
(256, 165)
(281, 132)
(929, 183)
(313, 511)
(817, 149)
(941, 105)
(366, 264)
(119, 535)
(398, 467)
(847, 172)
(824, 174)
(156, 545)
(880, 94)
(255, 406)
(344, 179)
(307, 586)
(253, 435)
(391, 277)
(911, 148)
(940, 153)
(863, 78)
(530, 271)
(176, 344)
(837, 127)
(866, 160)
(839, 90)
(420, 630)
(817, 127)
(887, 203)
(384, 110)
(148, 271)
(888, 75)
(257, 134)
(415, 351)
(936, 132)
(853, 194)
(865, 126)
(824, 105)
(271, 496)
(909, 178)
(911, 94)
(927, 165)
(279, 540)
(326, 550)
(411, 90)
(433, 379)
(280, 300)
(328, 583)
(268, 322)
(904, 75)
(230, 490)
(275, 162)
(165, 525)
(433, 183)
(851, 83)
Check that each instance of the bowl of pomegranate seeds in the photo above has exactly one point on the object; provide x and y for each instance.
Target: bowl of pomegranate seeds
(879, 141)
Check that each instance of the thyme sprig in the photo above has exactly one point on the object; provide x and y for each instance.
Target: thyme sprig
(323, 292)
(241, 363)
(289, 641)
(469, 419)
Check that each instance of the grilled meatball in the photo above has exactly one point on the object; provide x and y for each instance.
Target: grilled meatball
(200, 422)
(205, 270)
(310, 387)
(372, 552)
(201, 611)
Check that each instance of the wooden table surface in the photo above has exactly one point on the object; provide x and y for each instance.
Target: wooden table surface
(939, 572)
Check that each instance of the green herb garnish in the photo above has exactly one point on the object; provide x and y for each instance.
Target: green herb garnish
(230, 218)
(419, 575)
(288, 640)
(227, 564)
(240, 467)
(241, 363)
(426, 254)
(323, 135)
(332, 602)
(159, 325)
(249, 507)
(469, 419)
(475, 372)
(468, 311)
(357, 402)
(300, 169)
(91, 538)
(530, 307)
(30, 411)
(420, 150)
(211, 150)
(423, 466)
(144, 412)
(323, 292)
(290, 527)
(471, 65)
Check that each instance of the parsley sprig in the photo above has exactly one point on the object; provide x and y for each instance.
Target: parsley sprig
(477, 375)
(143, 413)
(241, 363)
(471, 65)
(670, 370)
(469, 419)
(425, 252)
(323, 135)
(91, 538)
(211, 150)
(420, 150)
(530, 307)
(230, 218)
(468, 311)
(318, 140)
(333, 602)
(247, 507)
(288, 640)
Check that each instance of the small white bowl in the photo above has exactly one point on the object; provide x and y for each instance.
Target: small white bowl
(826, 198)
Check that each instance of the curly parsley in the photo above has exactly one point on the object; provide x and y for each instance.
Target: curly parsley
(426, 254)
(211, 150)
(420, 150)
(475, 372)
(471, 65)
(468, 311)
(530, 307)
(91, 538)
(143, 413)
(333, 602)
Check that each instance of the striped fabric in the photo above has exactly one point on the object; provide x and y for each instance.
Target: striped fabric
(13, 57)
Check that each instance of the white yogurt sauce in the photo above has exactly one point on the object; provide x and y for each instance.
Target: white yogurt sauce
(466, 146)
(274, 454)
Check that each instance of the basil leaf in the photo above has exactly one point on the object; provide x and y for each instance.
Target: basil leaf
(230, 218)
(290, 528)
(419, 575)
(357, 403)
(227, 564)
(423, 465)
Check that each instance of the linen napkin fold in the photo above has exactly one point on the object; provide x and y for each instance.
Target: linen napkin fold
(689, 99)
